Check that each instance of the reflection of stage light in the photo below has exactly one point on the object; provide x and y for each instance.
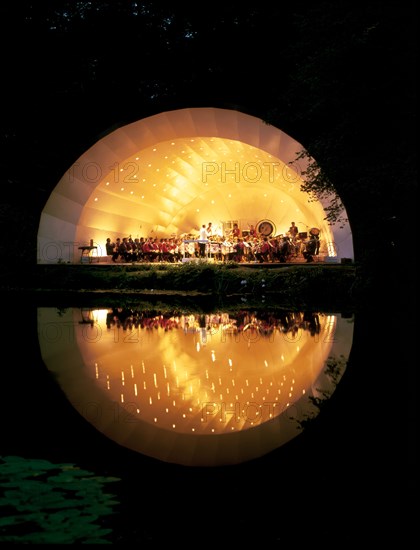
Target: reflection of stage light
(191, 394)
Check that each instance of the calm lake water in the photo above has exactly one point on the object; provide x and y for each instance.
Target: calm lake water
(195, 389)
(148, 418)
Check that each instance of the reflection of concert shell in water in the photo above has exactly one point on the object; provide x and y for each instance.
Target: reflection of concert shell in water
(204, 394)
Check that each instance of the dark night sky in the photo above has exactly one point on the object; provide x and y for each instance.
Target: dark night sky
(338, 77)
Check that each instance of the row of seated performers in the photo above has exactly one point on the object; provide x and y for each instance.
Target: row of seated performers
(239, 249)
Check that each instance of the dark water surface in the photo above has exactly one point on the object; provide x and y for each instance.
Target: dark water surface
(131, 423)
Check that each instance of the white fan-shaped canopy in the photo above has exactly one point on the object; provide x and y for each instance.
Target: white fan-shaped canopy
(169, 174)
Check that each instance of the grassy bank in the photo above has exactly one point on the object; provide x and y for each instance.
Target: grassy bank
(333, 286)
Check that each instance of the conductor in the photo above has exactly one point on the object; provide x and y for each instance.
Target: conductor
(202, 241)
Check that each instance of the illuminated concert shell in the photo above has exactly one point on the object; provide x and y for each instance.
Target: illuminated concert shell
(169, 174)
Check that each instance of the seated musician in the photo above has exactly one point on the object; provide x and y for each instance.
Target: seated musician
(310, 249)
(138, 249)
(239, 250)
(236, 232)
(226, 249)
(124, 250)
(215, 249)
(116, 253)
(148, 250)
(285, 249)
(248, 253)
(109, 247)
(263, 251)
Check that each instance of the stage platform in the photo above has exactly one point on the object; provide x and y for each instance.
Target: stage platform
(320, 259)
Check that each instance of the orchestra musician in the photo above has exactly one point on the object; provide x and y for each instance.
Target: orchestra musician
(226, 249)
(236, 232)
(310, 249)
(109, 247)
(285, 249)
(239, 250)
(263, 250)
(252, 231)
(215, 249)
(116, 253)
(248, 250)
(293, 231)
